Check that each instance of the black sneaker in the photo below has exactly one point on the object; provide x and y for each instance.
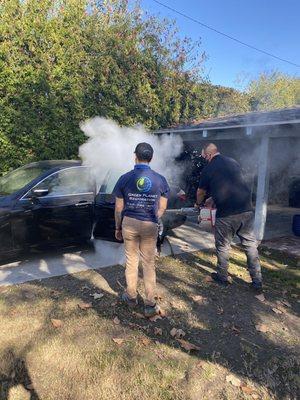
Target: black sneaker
(151, 311)
(216, 277)
(257, 287)
(128, 300)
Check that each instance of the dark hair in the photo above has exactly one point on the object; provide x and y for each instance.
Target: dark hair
(144, 152)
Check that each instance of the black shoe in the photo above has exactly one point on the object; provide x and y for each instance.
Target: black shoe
(216, 277)
(151, 311)
(129, 301)
(257, 287)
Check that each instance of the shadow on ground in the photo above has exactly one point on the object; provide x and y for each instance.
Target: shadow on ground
(221, 322)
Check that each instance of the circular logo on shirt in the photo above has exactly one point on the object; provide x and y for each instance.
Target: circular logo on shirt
(144, 184)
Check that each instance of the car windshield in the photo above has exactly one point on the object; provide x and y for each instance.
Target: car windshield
(17, 179)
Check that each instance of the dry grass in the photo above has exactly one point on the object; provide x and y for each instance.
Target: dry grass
(80, 361)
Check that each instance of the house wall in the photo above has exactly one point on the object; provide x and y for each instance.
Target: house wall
(284, 160)
(284, 164)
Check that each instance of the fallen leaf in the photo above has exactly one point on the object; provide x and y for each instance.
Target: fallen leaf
(29, 295)
(177, 333)
(146, 341)
(281, 308)
(200, 364)
(155, 318)
(85, 306)
(260, 297)
(162, 313)
(233, 380)
(57, 323)
(267, 253)
(116, 321)
(247, 389)
(138, 315)
(173, 332)
(200, 299)
(157, 331)
(255, 396)
(286, 303)
(262, 328)
(118, 341)
(133, 325)
(276, 311)
(30, 386)
(97, 296)
(159, 354)
(187, 345)
(236, 329)
(208, 279)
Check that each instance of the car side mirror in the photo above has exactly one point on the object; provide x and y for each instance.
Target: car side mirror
(35, 193)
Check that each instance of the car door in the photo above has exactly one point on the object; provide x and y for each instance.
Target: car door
(105, 208)
(63, 212)
(6, 242)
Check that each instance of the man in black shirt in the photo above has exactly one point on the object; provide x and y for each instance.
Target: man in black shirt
(222, 179)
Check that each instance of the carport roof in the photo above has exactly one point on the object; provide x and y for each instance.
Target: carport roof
(260, 118)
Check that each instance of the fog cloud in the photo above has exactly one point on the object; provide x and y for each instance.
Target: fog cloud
(111, 147)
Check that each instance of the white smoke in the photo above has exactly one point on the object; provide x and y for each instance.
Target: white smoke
(110, 147)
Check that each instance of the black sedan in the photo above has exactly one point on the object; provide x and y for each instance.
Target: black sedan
(57, 202)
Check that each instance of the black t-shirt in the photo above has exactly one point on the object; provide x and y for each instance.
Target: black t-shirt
(222, 178)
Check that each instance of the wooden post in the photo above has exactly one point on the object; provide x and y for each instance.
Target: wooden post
(262, 189)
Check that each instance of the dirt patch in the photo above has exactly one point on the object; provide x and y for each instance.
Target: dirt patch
(69, 337)
(289, 245)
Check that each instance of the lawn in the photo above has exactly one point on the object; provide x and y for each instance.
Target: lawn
(69, 337)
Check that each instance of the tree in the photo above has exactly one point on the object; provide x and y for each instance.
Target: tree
(273, 90)
(63, 61)
(227, 101)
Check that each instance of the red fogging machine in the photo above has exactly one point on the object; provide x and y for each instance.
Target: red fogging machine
(205, 214)
(208, 214)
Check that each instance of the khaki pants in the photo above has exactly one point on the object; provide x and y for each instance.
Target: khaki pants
(140, 241)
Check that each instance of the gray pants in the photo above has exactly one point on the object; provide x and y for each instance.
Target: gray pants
(242, 226)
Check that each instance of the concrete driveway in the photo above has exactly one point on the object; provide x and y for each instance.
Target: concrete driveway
(187, 238)
(99, 254)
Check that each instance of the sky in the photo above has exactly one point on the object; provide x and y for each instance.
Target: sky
(272, 25)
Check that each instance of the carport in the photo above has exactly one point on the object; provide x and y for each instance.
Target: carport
(267, 144)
